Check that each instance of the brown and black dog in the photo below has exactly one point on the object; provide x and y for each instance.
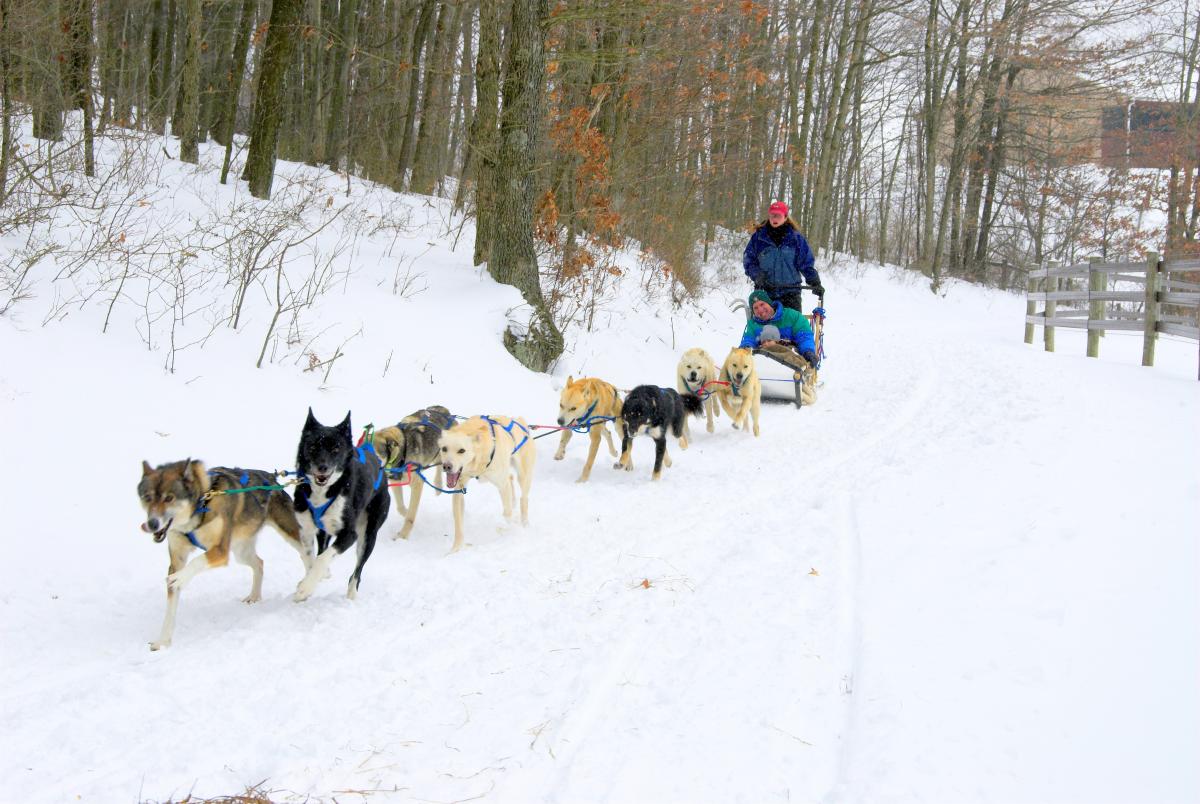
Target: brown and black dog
(191, 508)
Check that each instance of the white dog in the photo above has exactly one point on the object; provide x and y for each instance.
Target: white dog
(488, 447)
(697, 371)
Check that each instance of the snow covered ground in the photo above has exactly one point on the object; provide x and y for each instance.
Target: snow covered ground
(968, 574)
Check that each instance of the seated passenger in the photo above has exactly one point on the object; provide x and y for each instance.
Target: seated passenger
(773, 325)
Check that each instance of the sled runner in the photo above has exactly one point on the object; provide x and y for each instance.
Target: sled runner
(785, 375)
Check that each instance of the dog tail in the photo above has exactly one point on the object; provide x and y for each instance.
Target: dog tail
(692, 404)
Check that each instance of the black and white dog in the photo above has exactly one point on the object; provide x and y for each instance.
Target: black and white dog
(342, 499)
(657, 412)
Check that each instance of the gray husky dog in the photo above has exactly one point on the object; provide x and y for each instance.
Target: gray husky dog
(197, 509)
(342, 497)
(414, 440)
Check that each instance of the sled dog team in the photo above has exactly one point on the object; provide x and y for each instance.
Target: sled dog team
(341, 499)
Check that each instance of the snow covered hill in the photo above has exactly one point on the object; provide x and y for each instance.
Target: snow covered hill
(968, 574)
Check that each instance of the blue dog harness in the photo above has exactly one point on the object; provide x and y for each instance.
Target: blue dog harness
(492, 423)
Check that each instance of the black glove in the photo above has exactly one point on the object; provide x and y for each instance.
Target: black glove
(810, 356)
(818, 289)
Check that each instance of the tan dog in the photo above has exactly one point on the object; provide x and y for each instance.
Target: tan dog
(742, 398)
(489, 448)
(413, 441)
(191, 508)
(583, 401)
(696, 368)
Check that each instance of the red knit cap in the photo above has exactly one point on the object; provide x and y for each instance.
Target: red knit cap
(778, 206)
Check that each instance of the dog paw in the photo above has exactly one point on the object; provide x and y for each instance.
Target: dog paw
(303, 592)
(160, 644)
(558, 456)
(174, 582)
(709, 428)
(252, 598)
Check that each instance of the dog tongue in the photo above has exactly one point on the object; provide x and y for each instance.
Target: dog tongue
(146, 528)
(452, 478)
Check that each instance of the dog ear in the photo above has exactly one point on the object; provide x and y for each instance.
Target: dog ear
(344, 426)
(197, 475)
(311, 421)
(146, 469)
(570, 380)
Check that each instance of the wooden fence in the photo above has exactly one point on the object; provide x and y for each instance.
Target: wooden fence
(1164, 302)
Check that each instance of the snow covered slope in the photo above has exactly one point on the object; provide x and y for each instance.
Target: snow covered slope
(968, 574)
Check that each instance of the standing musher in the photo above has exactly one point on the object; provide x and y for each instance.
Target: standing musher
(778, 260)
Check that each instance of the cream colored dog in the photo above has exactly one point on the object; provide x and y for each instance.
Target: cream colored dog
(742, 398)
(489, 448)
(696, 368)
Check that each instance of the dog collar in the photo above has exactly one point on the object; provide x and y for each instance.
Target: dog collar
(702, 393)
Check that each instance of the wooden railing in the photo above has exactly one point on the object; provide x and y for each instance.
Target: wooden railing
(1164, 302)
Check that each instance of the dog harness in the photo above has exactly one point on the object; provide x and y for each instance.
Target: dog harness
(202, 507)
(316, 513)
(703, 392)
(492, 423)
(737, 389)
(587, 421)
(200, 510)
(364, 446)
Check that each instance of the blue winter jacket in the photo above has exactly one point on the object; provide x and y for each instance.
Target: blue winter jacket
(779, 269)
(792, 325)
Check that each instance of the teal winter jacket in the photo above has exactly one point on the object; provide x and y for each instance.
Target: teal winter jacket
(792, 325)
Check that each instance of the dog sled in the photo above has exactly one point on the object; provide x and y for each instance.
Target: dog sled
(784, 374)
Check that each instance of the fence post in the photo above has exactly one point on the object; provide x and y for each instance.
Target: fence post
(1051, 309)
(1031, 284)
(1097, 282)
(1151, 333)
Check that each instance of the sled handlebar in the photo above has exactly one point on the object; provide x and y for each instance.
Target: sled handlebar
(798, 288)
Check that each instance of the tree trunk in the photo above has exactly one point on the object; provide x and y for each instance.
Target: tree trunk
(6, 142)
(484, 133)
(800, 171)
(264, 129)
(513, 260)
(215, 74)
(48, 108)
(408, 142)
(463, 107)
(168, 63)
(79, 74)
(343, 46)
(154, 90)
(405, 23)
(234, 83)
(431, 138)
(188, 122)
